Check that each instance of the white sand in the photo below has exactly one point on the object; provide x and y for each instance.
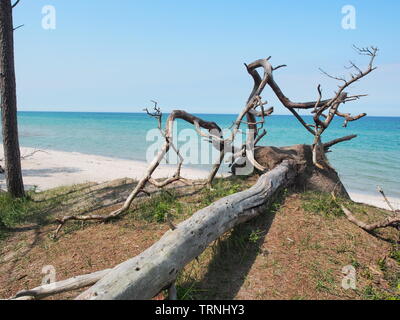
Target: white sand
(376, 201)
(48, 169)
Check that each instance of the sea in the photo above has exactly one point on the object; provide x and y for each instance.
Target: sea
(370, 160)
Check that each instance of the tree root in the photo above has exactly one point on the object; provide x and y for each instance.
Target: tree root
(389, 222)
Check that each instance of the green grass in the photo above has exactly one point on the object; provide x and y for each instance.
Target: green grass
(15, 211)
(355, 264)
(395, 254)
(372, 293)
(391, 276)
(159, 207)
(324, 279)
(33, 208)
(255, 236)
(321, 203)
(382, 264)
(37, 206)
(221, 188)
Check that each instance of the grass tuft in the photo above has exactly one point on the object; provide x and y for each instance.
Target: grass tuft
(321, 203)
(221, 188)
(14, 211)
(159, 206)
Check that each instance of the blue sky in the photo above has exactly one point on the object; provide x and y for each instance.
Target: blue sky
(115, 56)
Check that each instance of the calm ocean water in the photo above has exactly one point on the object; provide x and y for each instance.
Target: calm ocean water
(371, 159)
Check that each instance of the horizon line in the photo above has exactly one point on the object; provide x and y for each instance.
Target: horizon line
(126, 112)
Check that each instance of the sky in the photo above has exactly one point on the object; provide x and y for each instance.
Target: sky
(116, 56)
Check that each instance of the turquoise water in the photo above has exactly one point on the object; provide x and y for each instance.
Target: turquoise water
(371, 159)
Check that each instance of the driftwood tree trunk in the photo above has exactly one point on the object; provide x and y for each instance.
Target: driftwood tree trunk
(145, 275)
(309, 177)
(8, 97)
(306, 166)
(74, 283)
(320, 170)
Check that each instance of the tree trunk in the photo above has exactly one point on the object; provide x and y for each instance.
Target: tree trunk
(309, 176)
(12, 157)
(74, 283)
(145, 275)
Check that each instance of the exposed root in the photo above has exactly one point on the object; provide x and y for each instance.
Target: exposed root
(50, 289)
(389, 222)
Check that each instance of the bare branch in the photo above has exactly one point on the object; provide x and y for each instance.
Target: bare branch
(18, 27)
(389, 222)
(336, 141)
(333, 104)
(347, 117)
(15, 4)
(74, 283)
(26, 156)
(353, 65)
(280, 66)
(380, 190)
(262, 113)
(264, 63)
(260, 136)
(332, 77)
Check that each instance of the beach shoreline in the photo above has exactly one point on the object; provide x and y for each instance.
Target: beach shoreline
(46, 169)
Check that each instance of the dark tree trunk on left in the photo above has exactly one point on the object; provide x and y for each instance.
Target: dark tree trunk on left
(8, 97)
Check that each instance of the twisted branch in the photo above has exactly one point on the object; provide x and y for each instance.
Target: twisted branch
(388, 222)
(320, 106)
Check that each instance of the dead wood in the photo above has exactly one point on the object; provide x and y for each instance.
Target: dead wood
(388, 222)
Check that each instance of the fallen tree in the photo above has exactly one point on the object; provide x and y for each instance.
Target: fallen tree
(145, 275)
(323, 111)
(305, 166)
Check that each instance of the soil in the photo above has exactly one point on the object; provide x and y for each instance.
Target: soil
(286, 253)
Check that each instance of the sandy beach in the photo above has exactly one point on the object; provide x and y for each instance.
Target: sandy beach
(46, 169)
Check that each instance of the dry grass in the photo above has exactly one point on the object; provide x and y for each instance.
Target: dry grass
(296, 250)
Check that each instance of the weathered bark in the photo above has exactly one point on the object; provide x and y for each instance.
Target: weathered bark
(309, 176)
(388, 222)
(145, 275)
(62, 286)
(331, 143)
(12, 159)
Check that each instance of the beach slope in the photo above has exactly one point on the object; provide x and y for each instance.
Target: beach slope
(47, 169)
